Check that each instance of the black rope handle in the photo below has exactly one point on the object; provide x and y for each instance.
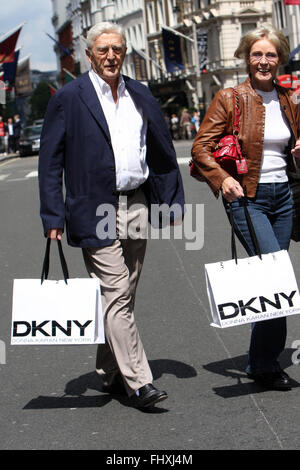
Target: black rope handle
(251, 230)
(46, 263)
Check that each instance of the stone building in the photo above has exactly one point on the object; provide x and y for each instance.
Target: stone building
(215, 26)
(72, 18)
(208, 30)
(287, 19)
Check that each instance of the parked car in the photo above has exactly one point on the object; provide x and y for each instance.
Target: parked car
(38, 122)
(30, 140)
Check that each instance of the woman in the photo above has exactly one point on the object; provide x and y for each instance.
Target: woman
(269, 127)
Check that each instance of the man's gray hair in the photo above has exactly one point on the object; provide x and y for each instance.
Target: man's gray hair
(104, 27)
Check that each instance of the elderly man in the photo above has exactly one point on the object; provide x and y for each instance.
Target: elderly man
(106, 132)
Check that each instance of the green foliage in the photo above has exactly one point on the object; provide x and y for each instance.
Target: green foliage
(39, 101)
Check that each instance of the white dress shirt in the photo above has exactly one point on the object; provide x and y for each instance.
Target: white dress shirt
(128, 127)
(276, 139)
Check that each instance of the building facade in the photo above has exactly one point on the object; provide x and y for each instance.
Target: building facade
(209, 32)
(72, 19)
(287, 19)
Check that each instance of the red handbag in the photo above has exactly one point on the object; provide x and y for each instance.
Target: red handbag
(228, 151)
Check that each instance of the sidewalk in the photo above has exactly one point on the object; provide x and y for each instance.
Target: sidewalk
(8, 156)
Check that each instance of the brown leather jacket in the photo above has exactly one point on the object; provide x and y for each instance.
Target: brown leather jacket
(218, 122)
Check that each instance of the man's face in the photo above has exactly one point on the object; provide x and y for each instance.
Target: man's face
(107, 56)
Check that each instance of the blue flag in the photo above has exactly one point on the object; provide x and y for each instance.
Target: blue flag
(10, 69)
(64, 50)
(172, 51)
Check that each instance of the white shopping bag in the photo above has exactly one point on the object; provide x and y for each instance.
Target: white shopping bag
(56, 312)
(251, 290)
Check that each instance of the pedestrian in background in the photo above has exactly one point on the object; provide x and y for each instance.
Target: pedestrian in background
(107, 133)
(185, 125)
(174, 126)
(11, 136)
(167, 120)
(3, 132)
(269, 137)
(17, 132)
(195, 121)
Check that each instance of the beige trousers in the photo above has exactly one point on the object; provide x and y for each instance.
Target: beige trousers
(118, 268)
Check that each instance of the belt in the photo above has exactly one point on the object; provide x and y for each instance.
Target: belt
(127, 193)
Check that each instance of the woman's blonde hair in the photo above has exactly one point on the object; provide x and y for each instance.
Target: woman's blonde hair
(265, 31)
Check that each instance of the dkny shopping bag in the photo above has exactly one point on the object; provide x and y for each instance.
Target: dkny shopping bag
(60, 312)
(251, 289)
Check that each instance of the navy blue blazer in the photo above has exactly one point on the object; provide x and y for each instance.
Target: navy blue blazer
(76, 143)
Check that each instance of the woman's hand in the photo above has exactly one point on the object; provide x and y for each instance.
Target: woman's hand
(231, 189)
(296, 150)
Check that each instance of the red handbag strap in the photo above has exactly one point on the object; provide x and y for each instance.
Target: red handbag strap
(236, 112)
(236, 127)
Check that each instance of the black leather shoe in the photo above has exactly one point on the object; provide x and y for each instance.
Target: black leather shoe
(278, 380)
(148, 395)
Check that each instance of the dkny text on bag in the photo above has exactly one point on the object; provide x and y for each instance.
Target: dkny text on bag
(67, 311)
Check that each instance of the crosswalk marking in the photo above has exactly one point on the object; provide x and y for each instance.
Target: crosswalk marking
(8, 176)
(32, 174)
(183, 160)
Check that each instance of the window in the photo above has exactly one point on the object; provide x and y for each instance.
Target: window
(151, 17)
(246, 27)
(280, 15)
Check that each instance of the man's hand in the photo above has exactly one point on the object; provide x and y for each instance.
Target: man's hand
(177, 221)
(296, 151)
(231, 189)
(54, 233)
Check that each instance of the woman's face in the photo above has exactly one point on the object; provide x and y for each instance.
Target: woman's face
(263, 64)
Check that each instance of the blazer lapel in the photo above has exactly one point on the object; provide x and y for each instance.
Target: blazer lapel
(89, 97)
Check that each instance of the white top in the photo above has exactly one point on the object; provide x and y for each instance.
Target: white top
(128, 127)
(277, 135)
(10, 128)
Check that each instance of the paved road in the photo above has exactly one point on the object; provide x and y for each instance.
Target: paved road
(49, 397)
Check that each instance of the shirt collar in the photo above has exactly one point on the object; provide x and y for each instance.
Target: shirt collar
(105, 88)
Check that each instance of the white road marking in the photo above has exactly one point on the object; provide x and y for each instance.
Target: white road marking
(32, 174)
(183, 160)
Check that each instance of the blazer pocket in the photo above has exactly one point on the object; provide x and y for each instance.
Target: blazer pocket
(78, 217)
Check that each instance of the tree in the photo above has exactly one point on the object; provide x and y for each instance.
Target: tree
(39, 101)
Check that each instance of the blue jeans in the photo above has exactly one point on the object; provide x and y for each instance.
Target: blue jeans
(271, 213)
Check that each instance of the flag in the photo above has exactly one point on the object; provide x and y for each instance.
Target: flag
(172, 51)
(10, 68)
(291, 2)
(202, 49)
(53, 90)
(62, 48)
(139, 66)
(68, 76)
(294, 52)
(23, 78)
(7, 47)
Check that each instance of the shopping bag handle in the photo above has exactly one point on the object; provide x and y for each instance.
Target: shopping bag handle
(46, 263)
(251, 230)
